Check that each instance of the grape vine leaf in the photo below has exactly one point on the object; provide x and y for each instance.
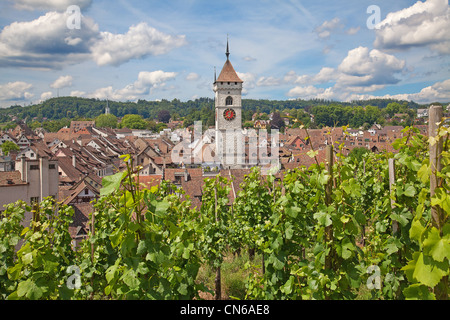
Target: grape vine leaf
(345, 248)
(418, 291)
(438, 247)
(416, 230)
(323, 218)
(410, 191)
(130, 279)
(111, 183)
(29, 289)
(424, 173)
(429, 272)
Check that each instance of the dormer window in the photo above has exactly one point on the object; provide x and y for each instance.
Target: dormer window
(229, 101)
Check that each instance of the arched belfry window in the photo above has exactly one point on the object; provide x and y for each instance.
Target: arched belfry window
(229, 101)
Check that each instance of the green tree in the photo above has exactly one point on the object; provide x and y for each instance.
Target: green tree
(393, 108)
(372, 114)
(277, 122)
(34, 125)
(164, 116)
(9, 146)
(106, 121)
(133, 121)
(55, 125)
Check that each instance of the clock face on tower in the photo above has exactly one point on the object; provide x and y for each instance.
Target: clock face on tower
(229, 114)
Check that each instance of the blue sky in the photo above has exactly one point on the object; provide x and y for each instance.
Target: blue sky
(282, 49)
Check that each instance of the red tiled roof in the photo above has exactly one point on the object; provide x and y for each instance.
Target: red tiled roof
(150, 180)
(80, 219)
(14, 178)
(228, 74)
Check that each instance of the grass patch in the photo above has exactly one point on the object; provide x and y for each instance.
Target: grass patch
(233, 274)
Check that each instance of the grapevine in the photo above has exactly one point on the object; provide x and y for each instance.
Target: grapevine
(343, 229)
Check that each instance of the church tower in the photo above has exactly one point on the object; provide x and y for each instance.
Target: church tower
(107, 111)
(228, 108)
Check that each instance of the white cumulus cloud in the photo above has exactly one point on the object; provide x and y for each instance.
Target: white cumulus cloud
(361, 71)
(440, 91)
(423, 24)
(364, 67)
(145, 84)
(249, 81)
(62, 82)
(308, 92)
(140, 41)
(46, 95)
(46, 42)
(18, 90)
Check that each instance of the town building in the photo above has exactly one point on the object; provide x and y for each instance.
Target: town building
(32, 181)
(228, 115)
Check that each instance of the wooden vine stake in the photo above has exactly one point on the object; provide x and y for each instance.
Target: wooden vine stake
(92, 252)
(217, 280)
(36, 216)
(435, 114)
(391, 183)
(435, 117)
(328, 201)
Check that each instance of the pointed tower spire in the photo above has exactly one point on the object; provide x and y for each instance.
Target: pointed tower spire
(107, 111)
(228, 50)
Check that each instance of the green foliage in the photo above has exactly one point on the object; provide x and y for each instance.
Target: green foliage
(360, 238)
(215, 219)
(202, 109)
(38, 269)
(144, 243)
(9, 146)
(428, 266)
(164, 116)
(55, 125)
(133, 121)
(106, 121)
(358, 153)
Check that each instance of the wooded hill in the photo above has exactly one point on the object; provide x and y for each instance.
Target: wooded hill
(189, 111)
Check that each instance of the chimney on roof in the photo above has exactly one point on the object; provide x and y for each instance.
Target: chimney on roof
(23, 169)
(74, 161)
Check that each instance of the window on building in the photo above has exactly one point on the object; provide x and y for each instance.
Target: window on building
(86, 191)
(34, 200)
(52, 166)
(34, 167)
(229, 101)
